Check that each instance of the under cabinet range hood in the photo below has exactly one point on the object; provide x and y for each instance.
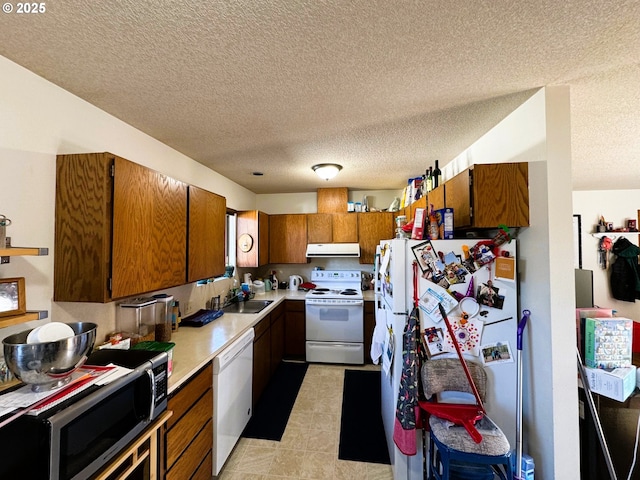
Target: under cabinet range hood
(333, 250)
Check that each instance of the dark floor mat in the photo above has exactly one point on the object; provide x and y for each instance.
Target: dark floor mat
(271, 414)
(362, 436)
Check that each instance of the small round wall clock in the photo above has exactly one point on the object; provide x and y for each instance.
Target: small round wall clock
(245, 242)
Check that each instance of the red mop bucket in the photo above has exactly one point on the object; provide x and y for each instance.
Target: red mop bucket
(460, 414)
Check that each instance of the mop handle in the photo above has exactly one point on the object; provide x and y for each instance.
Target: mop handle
(521, 326)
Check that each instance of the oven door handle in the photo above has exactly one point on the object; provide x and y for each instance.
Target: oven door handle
(152, 382)
(350, 303)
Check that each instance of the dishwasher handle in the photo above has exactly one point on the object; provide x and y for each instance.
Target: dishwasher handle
(230, 353)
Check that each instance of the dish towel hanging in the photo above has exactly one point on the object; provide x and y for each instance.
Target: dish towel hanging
(408, 410)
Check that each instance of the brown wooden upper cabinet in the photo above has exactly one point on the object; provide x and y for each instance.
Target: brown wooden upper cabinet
(488, 195)
(333, 200)
(372, 228)
(207, 222)
(288, 238)
(332, 228)
(119, 229)
(252, 248)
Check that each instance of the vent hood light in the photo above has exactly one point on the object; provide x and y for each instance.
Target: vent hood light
(333, 250)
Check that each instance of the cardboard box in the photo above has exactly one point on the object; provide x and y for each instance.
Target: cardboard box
(608, 342)
(445, 223)
(617, 383)
(581, 315)
(417, 233)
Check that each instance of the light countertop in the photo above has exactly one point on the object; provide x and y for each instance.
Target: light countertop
(196, 346)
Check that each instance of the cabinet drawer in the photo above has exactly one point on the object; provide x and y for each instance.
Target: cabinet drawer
(182, 401)
(205, 468)
(181, 434)
(294, 305)
(192, 459)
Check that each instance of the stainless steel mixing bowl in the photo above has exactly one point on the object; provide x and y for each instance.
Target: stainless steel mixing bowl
(50, 364)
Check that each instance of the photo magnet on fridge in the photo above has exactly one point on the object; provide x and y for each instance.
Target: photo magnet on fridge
(494, 353)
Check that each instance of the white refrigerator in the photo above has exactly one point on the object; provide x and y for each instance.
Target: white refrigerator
(479, 291)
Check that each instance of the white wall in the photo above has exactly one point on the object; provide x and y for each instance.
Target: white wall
(615, 206)
(274, 204)
(538, 132)
(39, 120)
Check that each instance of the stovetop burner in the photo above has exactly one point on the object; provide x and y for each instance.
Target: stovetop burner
(336, 284)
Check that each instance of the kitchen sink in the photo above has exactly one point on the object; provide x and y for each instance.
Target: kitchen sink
(250, 306)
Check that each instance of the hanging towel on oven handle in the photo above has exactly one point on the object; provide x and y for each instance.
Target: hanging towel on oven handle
(408, 409)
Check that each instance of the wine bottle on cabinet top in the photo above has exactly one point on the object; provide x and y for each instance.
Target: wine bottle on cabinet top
(429, 180)
(436, 176)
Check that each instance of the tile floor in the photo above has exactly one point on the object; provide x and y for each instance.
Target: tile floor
(309, 447)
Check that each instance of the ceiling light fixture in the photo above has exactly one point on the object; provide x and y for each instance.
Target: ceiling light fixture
(327, 170)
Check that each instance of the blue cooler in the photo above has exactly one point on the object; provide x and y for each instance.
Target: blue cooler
(470, 471)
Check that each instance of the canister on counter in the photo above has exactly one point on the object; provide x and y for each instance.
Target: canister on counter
(164, 313)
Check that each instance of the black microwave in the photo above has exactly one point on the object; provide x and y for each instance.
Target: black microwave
(78, 437)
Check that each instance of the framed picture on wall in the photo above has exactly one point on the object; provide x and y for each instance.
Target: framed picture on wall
(577, 241)
(12, 297)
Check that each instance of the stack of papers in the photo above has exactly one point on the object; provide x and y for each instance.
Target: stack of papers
(27, 401)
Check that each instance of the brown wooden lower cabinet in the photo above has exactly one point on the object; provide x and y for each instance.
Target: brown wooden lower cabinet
(189, 435)
(277, 337)
(261, 358)
(294, 330)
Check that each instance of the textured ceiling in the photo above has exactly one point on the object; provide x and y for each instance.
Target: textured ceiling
(383, 88)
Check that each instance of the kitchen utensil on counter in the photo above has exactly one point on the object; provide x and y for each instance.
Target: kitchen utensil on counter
(294, 282)
(247, 278)
(50, 364)
(258, 287)
(268, 285)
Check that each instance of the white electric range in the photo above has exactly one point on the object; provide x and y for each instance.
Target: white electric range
(334, 313)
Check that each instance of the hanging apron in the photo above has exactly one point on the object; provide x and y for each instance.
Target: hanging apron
(408, 410)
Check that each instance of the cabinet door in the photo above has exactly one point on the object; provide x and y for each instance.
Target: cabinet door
(372, 228)
(261, 360)
(294, 330)
(319, 228)
(207, 221)
(458, 197)
(149, 225)
(277, 337)
(488, 195)
(255, 224)
(500, 195)
(263, 239)
(436, 197)
(345, 228)
(332, 200)
(288, 238)
(84, 208)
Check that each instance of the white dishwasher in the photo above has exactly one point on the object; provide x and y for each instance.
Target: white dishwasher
(232, 378)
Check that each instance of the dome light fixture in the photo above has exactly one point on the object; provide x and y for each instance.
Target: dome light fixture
(327, 170)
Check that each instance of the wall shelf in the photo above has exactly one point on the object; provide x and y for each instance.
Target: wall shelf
(614, 234)
(5, 254)
(26, 317)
